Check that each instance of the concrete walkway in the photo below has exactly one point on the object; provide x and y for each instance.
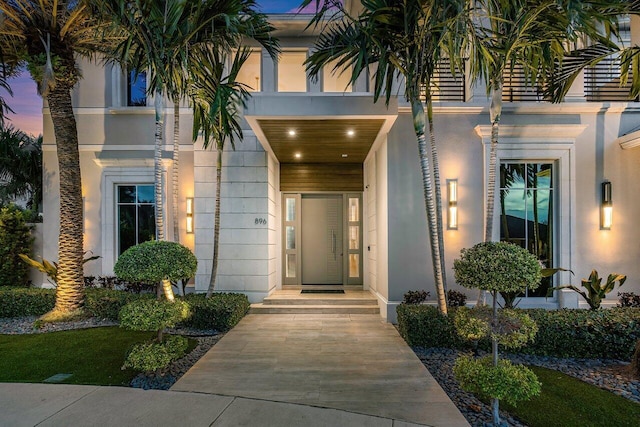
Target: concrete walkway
(355, 363)
(80, 405)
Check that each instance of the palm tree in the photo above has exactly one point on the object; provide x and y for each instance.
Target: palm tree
(217, 103)
(161, 36)
(532, 36)
(403, 39)
(47, 36)
(20, 167)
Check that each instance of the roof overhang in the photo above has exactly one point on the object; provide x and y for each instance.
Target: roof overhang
(336, 128)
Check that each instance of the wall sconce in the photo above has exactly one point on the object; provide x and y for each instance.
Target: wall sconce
(606, 213)
(189, 215)
(452, 197)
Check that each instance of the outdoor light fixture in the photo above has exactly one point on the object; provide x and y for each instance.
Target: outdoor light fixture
(292, 132)
(452, 197)
(606, 214)
(189, 215)
(351, 132)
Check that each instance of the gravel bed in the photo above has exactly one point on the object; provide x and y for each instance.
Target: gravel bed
(24, 325)
(606, 374)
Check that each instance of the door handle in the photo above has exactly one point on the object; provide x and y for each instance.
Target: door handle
(333, 243)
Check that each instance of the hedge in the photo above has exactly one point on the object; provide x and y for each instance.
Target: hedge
(106, 303)
(610, 334)
(18, 302)
(221, 311)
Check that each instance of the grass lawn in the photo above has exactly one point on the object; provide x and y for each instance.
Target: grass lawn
(567, 402)
(92, 356)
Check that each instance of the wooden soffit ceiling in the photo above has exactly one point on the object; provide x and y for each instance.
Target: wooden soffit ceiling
(321, 141)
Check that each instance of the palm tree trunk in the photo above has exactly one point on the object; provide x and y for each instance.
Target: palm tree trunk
(70, 282)
(496, 112)
(157, 166)
(438, 187)
(419, 126)
(216, 225)
(174, 170)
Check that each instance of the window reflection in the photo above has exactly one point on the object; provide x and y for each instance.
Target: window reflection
(136, 215)
(136, 89)
(526, 216)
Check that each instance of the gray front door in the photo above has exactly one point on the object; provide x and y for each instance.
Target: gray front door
(322, 249)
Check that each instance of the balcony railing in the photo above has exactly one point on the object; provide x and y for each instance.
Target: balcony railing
(602, 82)
(516, 88)
(447, 86)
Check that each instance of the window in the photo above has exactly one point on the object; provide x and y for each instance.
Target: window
(250, 72)
(335, 80)
(135, 215)
(136, 89)
(527, 212)
(291, 73)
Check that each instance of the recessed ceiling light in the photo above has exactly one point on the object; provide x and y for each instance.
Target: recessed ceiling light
(297, 155)
(351, 132)
(344, 156)
(292, 132)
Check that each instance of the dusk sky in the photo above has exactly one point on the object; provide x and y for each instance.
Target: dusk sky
(28, 105)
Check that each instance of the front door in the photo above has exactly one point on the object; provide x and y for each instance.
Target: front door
(322, 242)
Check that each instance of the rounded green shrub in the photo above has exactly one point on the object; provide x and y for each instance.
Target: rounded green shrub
(155, 261)
(151, 356)
(15, 239)
(153, 315)
(508, 382)
(497, 267)
(19, 301)
(472, 324)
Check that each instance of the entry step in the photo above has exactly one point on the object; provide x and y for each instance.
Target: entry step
(320, 299)
(263, 308)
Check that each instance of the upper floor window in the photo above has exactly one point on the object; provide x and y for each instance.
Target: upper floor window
(250, 72)
(335, 80)
(291, 73)
(136, 89)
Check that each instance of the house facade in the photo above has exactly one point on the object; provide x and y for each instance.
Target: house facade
(325, 187)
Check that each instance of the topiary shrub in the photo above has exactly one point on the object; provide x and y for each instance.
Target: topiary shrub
(154, 315)
(15, 239)
(20, 302)
(498, 267)
(506, 381)
(151, 356)
(221, 311)
(156, 262)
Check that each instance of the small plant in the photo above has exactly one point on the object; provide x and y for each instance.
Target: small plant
(15, 238)
(415, 297)
(628, 299)
(50, 268)
(595, 291)
(456, 298)
(157, 262)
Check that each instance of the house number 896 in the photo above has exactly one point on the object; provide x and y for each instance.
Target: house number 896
(261, 221)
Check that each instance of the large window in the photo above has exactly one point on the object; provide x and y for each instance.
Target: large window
(136, 89)
(291, 73)
(527, 212)
(135, 213)
(250, 72)
(335, 80)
